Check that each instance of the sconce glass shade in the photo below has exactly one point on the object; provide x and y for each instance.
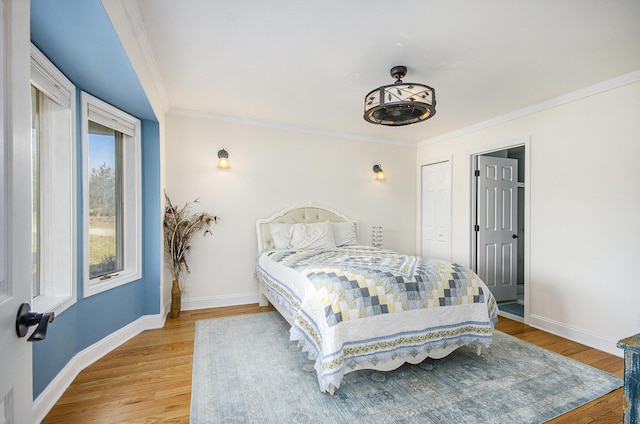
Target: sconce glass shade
(379, 173)
(400, 103)
(223, 159)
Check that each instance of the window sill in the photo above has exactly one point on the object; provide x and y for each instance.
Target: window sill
(96, 285)
(54, 304)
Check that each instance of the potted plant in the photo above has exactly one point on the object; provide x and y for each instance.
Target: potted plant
(180, 225)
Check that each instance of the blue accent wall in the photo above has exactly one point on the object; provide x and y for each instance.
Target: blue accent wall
(151, 217)
(77, 36)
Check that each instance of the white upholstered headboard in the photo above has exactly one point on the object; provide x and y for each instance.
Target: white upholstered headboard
(307, 214)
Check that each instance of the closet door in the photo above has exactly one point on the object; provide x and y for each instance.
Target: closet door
(436, 210)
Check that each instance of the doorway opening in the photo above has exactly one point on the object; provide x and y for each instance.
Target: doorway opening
(499, 218)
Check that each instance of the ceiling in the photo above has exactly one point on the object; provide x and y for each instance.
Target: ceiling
(307, 65)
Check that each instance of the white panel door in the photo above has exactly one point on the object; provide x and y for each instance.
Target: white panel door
(16, 405)
(436, 211)
(497, 225)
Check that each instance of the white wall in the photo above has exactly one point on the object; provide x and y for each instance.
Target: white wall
(272, 169)
(585, 208)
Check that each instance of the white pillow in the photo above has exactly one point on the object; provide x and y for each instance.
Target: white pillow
(312, 236)
(344, 233)
(280, 235)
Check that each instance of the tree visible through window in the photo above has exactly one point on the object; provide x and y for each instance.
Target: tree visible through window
(105, 200)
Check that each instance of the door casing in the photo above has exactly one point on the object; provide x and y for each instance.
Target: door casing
(471, 196)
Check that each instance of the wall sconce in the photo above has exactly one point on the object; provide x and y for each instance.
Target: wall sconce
(223, 159)
(379, 173)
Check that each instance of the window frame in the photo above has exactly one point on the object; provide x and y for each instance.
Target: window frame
(105, 114)
(58, 275)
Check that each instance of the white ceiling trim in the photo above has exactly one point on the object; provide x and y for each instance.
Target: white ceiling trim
(144, 45)
(601, 87)
(293, 128)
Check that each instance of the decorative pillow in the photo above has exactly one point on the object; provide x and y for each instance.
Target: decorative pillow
(312, 236)
(344, 233)
(280, 235)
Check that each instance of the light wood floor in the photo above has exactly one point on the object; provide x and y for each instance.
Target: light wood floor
(148, 379)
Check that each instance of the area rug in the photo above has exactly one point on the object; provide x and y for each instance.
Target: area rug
(245, 370)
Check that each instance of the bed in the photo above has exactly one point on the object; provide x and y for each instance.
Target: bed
(355, 307)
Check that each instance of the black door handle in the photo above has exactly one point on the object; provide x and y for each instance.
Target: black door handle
(26, 319)
(514, 236)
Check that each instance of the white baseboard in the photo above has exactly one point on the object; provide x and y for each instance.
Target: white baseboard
(189, 304)
(575, 334)
(52, 393)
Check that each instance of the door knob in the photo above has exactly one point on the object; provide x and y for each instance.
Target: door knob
(26, 319)
(514, 236)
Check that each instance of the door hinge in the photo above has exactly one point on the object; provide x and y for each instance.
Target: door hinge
(476, 228)
(476, 172)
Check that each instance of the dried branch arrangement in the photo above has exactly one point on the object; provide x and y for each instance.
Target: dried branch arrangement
(180, 225)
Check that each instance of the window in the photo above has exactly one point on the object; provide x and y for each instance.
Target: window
(112, 196)
(53, 182)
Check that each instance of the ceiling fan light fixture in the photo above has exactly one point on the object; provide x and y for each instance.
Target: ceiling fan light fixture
(399, 103)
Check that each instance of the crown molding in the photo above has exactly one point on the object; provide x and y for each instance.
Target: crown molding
(582, 93)
(144, 46)
(284, 127)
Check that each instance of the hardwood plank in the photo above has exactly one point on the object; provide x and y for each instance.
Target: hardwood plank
(601, 410)
(148, 378)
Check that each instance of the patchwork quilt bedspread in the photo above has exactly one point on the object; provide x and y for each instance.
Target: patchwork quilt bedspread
(357, 306)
